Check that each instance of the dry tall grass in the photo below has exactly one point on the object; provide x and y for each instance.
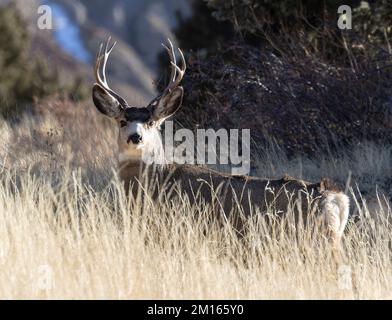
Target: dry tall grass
(68, 231)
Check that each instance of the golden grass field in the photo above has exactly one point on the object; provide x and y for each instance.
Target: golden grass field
(68, 231)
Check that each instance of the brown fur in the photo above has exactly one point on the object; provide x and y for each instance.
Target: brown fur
(227, 192)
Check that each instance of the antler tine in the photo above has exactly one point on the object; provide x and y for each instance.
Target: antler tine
(183, 62)
(177, 73)
(173, 70)
(97, 65)
(172, 57)
(106, 57)
(102, 81)
(181, 71)
(173, 60)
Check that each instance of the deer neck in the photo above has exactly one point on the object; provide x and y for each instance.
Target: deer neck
(130, 163)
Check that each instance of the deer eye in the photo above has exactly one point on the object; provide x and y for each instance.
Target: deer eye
(151, 123)
(123, 123)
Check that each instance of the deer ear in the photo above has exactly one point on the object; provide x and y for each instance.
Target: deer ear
(168, 105)
(105, 102)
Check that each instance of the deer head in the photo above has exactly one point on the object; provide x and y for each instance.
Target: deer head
(138, 126)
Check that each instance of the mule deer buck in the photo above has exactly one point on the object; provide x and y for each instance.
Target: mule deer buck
(139, 133)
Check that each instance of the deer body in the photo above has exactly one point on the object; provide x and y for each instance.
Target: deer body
(139, 136)
(315, 201)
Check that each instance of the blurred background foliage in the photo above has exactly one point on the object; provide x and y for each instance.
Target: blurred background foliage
(25, 79)
(286, 71)
(297, 27)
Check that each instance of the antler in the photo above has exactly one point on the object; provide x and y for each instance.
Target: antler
(177, 73)
(102, 81)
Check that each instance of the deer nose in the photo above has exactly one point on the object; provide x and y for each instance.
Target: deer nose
(135, 138)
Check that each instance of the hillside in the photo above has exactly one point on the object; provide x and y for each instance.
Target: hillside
(133, 67)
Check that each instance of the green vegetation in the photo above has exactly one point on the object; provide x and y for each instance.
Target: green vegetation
(24, 79)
